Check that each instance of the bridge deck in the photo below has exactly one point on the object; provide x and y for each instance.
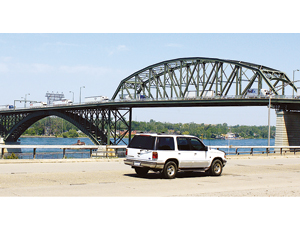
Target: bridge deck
(286, 103)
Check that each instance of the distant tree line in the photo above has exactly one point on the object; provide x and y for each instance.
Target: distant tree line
(207, 131)
(54, 126)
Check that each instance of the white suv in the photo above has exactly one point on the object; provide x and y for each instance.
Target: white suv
(170, 153)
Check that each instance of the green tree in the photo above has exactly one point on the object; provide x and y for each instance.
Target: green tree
(73, 133)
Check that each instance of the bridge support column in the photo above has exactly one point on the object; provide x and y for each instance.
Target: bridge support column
(129, 127)
(287, 129)
(108, 127)
(9, 150)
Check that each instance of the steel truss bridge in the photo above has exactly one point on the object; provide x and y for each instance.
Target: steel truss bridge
(183, 82)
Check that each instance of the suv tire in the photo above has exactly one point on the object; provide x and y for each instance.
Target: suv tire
(141, 171)
(216, 168)
(170, 170)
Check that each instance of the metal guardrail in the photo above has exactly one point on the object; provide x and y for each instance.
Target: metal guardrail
(119, 150)
(268, 149)
(107, 150)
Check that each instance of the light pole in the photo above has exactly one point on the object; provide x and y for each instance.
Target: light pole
(25, 99)
(80, 94)
(73, 96)
(269, 131)
(294, 78)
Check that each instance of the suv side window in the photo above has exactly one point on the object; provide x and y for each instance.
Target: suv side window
(165, 143)
(186, 143)
(197, 145)
(183, 143)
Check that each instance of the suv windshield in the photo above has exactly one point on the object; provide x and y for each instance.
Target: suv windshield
(142, 142)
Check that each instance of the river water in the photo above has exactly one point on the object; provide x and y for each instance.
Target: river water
(57, 153)
(53, 153)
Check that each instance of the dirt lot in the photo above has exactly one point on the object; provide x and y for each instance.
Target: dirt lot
(242, 177)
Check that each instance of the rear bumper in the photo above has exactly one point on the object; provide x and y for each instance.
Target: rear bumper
(148, 164)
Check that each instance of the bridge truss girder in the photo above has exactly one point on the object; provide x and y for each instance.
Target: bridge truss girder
(100, 124)
(175, 78)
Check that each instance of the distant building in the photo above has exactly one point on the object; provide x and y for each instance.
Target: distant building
(230, 136)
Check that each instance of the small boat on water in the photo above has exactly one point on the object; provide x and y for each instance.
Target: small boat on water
(79, 143)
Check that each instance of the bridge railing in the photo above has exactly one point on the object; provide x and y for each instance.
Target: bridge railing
(167, 99)
(113, 151)
(212, 98)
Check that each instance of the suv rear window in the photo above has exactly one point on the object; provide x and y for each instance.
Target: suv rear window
(142, 142)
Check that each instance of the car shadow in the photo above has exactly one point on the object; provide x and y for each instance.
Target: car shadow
(158, 175)
(191, 174)
(148, 176)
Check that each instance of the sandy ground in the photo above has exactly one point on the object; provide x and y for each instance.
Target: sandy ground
(262, 176)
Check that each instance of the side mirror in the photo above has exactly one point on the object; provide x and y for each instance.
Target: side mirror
(206, 148)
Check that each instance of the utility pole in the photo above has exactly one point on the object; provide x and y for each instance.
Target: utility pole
(269, 123)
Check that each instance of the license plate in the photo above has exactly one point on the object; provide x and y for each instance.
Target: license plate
(136, 163)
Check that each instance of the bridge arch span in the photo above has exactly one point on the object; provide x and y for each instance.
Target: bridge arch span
(84, 125)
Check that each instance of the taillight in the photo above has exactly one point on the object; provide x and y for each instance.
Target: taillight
(154, 155)
(126, 152)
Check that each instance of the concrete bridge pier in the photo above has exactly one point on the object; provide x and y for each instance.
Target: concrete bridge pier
(287, 129)
(9, 150)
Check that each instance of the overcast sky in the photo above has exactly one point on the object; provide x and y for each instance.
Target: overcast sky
(36, 63)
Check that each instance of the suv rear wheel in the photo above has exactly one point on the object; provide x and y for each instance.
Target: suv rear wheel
(170, 170)
(141, 171)
(216, 168)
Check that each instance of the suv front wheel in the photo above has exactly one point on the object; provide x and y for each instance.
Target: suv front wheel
(216, 168)
(170, 170)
